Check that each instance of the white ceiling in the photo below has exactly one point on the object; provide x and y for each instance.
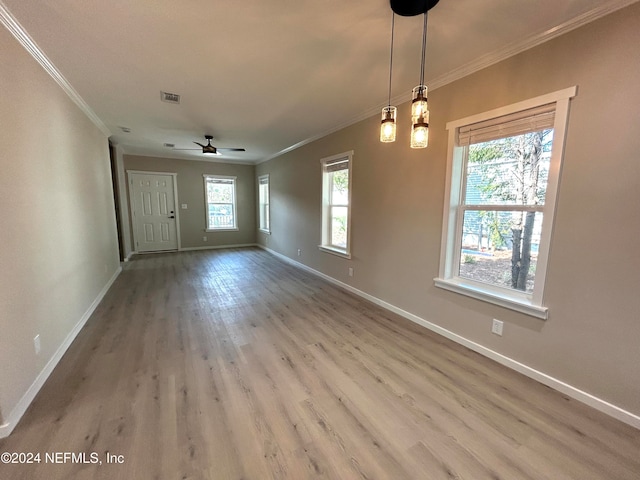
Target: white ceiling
(268, 75)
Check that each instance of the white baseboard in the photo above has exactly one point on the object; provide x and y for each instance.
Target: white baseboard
(569, 390)
(217, 247)
(18, 411)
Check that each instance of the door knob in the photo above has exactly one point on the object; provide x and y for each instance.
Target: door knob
(172, 216)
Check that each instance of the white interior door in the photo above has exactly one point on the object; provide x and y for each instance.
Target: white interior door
(154, 211)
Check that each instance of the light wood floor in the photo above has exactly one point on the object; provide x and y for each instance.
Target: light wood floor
(233, 365)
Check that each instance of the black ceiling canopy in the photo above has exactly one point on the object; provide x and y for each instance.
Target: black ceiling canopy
(410, 8)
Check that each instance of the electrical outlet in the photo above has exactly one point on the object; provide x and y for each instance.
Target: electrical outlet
(204, 239)
(184, 206)
(496, 327)
(299, 251)
(350, 271)
(36, 344)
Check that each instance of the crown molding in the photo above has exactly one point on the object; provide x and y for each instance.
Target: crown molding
(528, 43)
(169, 156)
(478, 64)
(17, 30)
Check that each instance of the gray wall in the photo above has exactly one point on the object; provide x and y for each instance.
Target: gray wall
(191, 191)
(58, 243)
(590, 340)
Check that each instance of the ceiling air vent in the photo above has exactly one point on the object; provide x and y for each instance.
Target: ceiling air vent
(169, 145)
(170, 97)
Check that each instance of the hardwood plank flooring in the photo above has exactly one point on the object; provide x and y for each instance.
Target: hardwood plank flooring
(232, 365)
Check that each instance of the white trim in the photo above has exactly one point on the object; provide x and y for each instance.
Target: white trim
(218, 247)
(335, 251)
(123, 202)
(260, 178)
(511, 300)
(18, 411)
(569, 390)
(325, 226)
(551, 195)
(234, 202)
(552, 97)
(135, 150)
(11, 23)
(454, 207)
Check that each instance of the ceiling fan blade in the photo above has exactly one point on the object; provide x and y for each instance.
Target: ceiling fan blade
(200, 144)
(232, 149)
(191, 149)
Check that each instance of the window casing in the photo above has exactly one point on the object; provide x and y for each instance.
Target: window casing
(220, 203)
(264, 219)
(336, 204)
(502, 177)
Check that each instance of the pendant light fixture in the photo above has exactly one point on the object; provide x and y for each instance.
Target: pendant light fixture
(388, 123)
(419, 107)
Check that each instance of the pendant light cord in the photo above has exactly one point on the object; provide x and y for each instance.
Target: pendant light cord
(393, 17)
(424, 47)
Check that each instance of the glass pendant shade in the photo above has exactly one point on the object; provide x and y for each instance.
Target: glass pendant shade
(419, 102)
(388, 125)
(420, 132)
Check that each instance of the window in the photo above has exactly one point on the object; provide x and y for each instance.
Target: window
(336, 189)
(502, 177)
(220, 202)
(263, 204)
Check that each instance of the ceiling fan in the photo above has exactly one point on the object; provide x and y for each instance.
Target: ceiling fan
(209, 149)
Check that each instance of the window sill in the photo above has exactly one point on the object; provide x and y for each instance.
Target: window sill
(335, 251)
(213, 230)
(266, 232)
(519, 303)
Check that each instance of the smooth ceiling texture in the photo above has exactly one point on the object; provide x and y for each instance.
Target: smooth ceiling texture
(268, 75)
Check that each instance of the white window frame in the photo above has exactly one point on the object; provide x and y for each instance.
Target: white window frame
(528, 303)
(264, 212)
(208, 228)
(327, 204)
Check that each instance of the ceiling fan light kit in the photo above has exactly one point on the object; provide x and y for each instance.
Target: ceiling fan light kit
(209, 150)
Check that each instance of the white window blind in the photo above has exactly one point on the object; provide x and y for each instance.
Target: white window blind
(337, 165)
(525, 121)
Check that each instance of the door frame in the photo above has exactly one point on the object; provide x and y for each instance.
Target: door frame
(131, 208)
(116, 195)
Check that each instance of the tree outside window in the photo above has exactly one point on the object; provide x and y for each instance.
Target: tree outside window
(501, 246)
